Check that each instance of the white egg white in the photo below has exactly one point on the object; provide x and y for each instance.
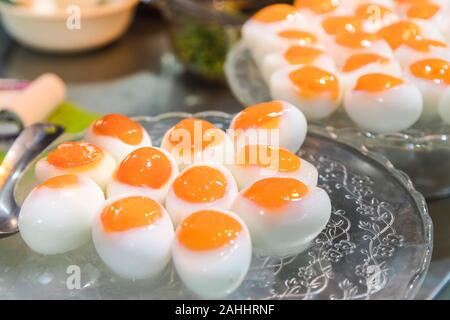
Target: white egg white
(116, 147)
(389, 111)
(276, 61)
(290, 134)
(116, 188)
(137, 253)
(289, 229)
(341, 53)
(54, 221)
(100, 173)
(214, 274)
(217, 152)
(179, 208)
(431, 93)
(406, 55)
(246, 175)
(350, 78)
(281, 88)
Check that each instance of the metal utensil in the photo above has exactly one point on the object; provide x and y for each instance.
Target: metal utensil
(30, 143)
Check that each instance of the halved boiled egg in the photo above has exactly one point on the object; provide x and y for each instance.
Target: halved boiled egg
(363, 63)
(317, 9)
(212, 252)
(118, 134)
(346, 44)
(283, 214)
(431, 11)
(57, 215)
(80, 158)
(383, 103)
(199, 187)
(269, 20)
(399, 32)
(195, 140)
(317, 92)
(255, 162)
(295, 56)
(432, 77)
(376, 14)
(148, 171)
(419, 48)
(133, 236)
(275, 123)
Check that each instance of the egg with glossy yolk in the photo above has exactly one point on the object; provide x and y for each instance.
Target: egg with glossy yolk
(255, 162)
(283, 214)
(133, 237)
(383, 103)
(276, 123)
(147, 171)
(295, 56)
(432, 77)
(346, 44)
(211, 252)
(118, 135)
(434, 12)
(363, 63)
(316, 91)
(53, 220)
(399, 32)
(194, 140)
(79, 158)
(419, 48)
(199, 187)
(279, 41)
(270, 20)
(376, 14)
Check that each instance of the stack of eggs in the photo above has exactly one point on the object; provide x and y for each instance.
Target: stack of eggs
(206, 199)
(386, 61)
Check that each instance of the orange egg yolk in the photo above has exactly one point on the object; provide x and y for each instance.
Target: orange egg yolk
(424, 45)
(200, 184)
(356, 40)
(199, 133)
(424, 10)
(274, 13)
(313, 82)
(59, 182)
(273, 193)
(75, 155)
(376, 82)
(121, 127)
(301, 55)
(372, 11)
(318, 6)
(208, 230)
(129, 213)
(263, 115)
(397, 33)
(436, 70)
(269, 157)
(358, 61)
(334, 25)
(305, 37)
(145, 167)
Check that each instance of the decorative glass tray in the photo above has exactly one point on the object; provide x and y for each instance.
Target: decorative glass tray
(418, 151)
(377, 244)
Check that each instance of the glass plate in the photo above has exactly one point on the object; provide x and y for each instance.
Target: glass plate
(377, 244)
(417, 151)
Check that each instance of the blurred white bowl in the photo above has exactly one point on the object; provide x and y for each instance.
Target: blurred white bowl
(53, 29)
